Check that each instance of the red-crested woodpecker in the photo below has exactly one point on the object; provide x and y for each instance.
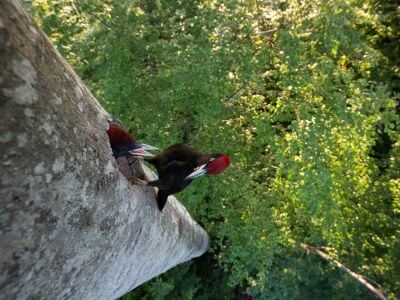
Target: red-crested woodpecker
(178, 165)
(124, 144)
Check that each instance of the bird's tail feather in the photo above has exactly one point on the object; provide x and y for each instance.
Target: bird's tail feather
(162, 197)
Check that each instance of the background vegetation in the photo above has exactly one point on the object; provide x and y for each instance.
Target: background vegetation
(312, 130)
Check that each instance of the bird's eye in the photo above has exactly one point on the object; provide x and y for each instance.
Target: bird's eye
(212, 159)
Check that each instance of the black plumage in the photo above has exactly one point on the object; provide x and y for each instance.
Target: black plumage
(177, 163)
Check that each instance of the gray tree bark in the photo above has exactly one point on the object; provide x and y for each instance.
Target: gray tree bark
(71, 224)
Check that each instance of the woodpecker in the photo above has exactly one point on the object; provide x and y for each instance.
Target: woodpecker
(178, 165)
(124, 144)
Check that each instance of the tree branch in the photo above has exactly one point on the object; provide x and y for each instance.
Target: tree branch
(232, 96)
(377, 293)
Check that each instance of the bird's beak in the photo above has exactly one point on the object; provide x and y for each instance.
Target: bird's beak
(147, 147)
(140, 152)
(198, 172)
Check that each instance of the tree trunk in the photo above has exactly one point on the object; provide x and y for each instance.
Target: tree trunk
(72, 225)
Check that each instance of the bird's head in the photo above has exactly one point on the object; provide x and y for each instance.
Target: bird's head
(122, 143)
(214, 165)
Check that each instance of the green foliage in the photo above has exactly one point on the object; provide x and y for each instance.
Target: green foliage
(313, 133)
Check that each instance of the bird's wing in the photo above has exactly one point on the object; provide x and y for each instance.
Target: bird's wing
(182, 152)
(172, 174)
(177, 152)
(179, 169)
(162, 183)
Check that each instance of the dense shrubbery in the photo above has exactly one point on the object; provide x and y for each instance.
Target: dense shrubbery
(312, 131)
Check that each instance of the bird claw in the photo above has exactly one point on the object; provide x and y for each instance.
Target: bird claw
(140, 182)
